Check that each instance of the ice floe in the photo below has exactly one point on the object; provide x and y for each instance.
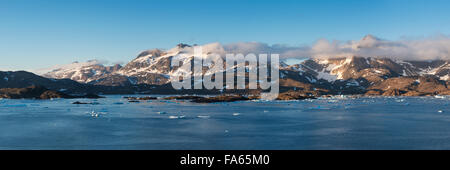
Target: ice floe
(177, 117)
(203, 117)
(96, 114)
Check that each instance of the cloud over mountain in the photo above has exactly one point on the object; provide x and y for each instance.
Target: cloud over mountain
(430, 48)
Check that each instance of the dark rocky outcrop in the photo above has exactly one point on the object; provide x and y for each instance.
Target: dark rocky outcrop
(19, 93)
(294, 95)
(49, 94)
(373, 93)
(415, 93)
(78, 103)
(393, 92)
(141, 98)
(38, 92)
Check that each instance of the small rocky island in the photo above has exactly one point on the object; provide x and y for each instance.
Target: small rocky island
(290, 95)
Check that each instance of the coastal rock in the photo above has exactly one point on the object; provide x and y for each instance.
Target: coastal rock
(294, 95)
(373, 93)
(393, 92)
(20, 93)
(415, 93)
(54, 95)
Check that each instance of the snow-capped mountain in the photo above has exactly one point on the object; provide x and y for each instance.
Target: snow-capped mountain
(154, 66)
(350, 74)
(81, 72)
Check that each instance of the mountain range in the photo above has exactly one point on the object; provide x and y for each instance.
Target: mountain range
(151, 70)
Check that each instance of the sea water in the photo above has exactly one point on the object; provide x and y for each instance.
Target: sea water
(328, 123)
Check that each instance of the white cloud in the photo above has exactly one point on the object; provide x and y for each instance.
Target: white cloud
(436, 47)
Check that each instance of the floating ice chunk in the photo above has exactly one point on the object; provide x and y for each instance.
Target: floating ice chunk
(266, 111)
(203, 117)
(96, 114)
(400, 100)
(236, 114)
(177, 117)
(332, 101)
(440, 111)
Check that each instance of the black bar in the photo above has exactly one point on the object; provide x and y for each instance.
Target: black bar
(172, 159)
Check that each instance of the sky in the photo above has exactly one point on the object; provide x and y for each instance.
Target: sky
(41, 33)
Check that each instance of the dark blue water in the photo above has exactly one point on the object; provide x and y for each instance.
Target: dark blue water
(113, 123)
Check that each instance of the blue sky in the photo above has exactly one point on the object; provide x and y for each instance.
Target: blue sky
(41, 33)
